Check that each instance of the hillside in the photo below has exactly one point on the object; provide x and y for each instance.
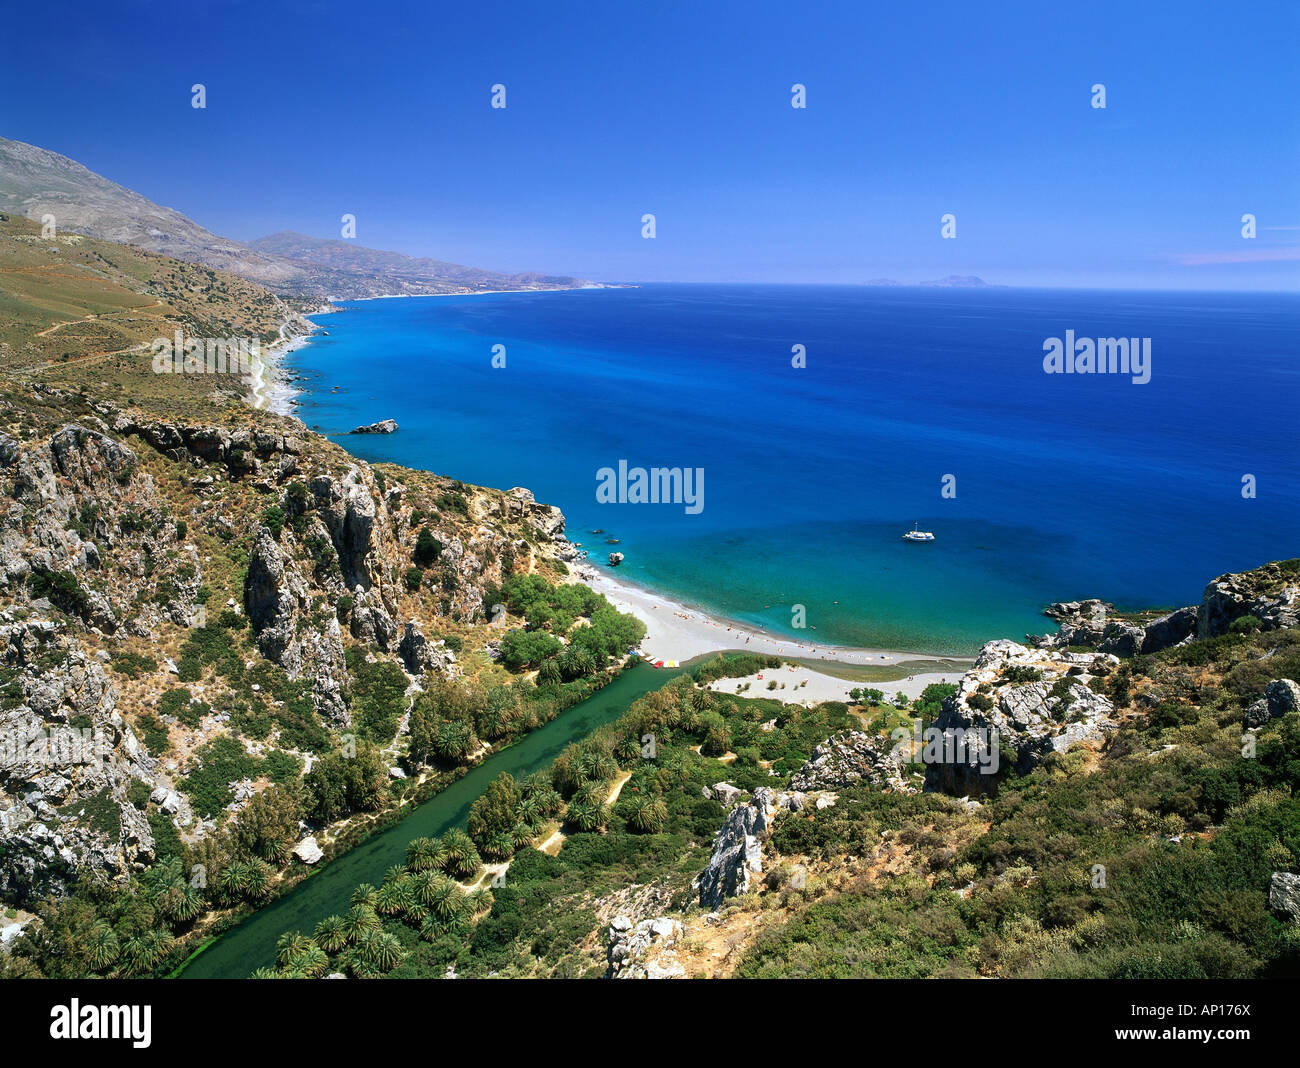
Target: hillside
(203, 604)
(402, 273)
(35, 181)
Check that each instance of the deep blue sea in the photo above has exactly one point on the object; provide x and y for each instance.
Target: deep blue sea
(1067, 486)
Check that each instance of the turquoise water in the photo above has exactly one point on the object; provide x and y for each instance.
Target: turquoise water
(1067, 486)
(251, 944)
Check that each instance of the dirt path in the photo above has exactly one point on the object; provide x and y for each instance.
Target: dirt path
(552, 845)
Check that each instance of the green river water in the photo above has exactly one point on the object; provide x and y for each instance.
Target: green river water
(251, 944)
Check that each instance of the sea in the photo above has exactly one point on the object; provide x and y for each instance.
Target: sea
(824, 422)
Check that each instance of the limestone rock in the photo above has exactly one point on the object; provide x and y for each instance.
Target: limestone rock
(384, 426)
(308, 851)
(1270, 593)
(1280, 697)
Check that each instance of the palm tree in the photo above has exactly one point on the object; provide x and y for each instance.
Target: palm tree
(586, 813)
(232, 881)
(265, 973)
(364, 895)
(432, 928)
(312, 962)
(648, 814)
(289, 945)
(499, 847)
(423, 886)
(331, 934)
(260, 874)
(144, 950)
(394, 897)
(448, 901)
(595, 766)
(477, 901)
(103, 946)
(380, 950)
(522, 835)
(463, 860)
(425, 854)
(358, 922)
(627, 750)
(549, 673)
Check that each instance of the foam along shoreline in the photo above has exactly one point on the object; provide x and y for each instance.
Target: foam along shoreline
(268, 387)
(675, 631)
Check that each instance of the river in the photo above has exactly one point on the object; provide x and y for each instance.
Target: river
(251, 944)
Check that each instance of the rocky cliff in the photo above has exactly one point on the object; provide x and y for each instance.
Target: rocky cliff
(139, 552)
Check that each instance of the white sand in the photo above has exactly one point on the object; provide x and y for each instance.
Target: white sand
(268, 387)
(677, 632)
(799, 685)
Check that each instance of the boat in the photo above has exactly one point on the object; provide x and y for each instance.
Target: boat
(918, 535)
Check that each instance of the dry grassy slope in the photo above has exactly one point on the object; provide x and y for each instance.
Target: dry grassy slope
(74, 298)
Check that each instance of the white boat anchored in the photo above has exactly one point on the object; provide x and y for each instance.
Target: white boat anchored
(918, 535)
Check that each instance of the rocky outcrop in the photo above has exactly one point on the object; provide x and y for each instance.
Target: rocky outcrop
(356, 527)
(276, 598)
(737, 851)
(370, 621)
(384, 426)
(1270, 593)
(1281, 696)
(1284, 895)
(845, 758)
(647, 950)
(1087, 623)
(1029, 702)
(546, 519)
(421, 656)
(67, 760)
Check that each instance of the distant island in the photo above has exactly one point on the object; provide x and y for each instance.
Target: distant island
(952, 281)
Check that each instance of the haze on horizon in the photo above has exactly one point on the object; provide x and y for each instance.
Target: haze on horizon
(383, 111)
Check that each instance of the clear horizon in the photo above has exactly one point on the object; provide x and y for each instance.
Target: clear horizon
(687, 115)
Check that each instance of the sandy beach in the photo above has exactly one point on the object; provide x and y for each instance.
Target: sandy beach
(268, 388)
(796, 684)
(675, 631)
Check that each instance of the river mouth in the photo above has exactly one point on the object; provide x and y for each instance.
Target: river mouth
(249, 945)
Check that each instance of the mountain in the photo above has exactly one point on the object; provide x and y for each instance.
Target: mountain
(346, 257)
(35, 181)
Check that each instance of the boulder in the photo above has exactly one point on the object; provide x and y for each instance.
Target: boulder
(1280, 697)
(384, 426)
(1284, 895)
(308, 851)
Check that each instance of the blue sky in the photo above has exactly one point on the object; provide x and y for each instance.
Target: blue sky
(683, 109)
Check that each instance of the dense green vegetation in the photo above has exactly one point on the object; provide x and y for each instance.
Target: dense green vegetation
(660, 827)
(554, 633)
(1153, 864)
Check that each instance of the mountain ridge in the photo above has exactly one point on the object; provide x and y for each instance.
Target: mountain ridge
(36, 181)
